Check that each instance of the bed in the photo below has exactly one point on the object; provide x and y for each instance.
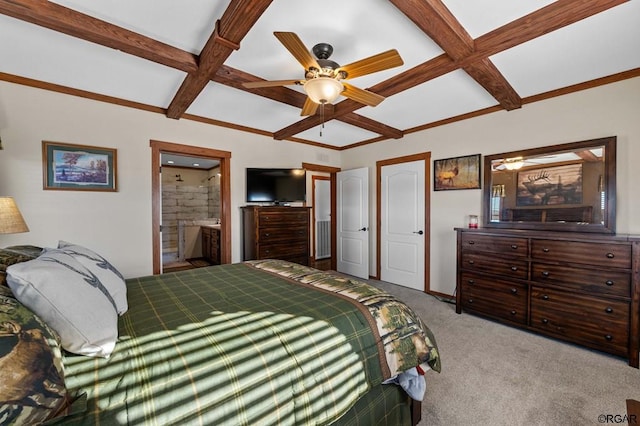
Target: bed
(258, 342)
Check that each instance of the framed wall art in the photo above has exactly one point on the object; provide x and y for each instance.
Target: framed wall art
(457, 173)
(550, 186)
(78, 167)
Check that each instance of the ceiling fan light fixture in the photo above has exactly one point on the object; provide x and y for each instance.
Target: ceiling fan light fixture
(513, 163)
(322, 90)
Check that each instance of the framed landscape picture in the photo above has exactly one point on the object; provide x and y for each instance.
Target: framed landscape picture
(457, 173)
(78, 167)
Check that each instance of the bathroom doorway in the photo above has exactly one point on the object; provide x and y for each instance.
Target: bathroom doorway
(190, 188)
(182, 204)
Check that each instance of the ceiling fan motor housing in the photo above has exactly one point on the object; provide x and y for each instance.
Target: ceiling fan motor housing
(322, 50)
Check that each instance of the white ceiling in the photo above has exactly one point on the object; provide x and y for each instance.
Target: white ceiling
(599, 46)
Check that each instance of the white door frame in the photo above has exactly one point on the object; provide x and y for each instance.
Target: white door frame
(426, 157)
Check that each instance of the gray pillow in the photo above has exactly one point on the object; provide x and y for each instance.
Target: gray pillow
(70, 299)
(108, 275)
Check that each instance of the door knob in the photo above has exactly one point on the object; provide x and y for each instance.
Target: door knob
(418, 232)
(364, 228)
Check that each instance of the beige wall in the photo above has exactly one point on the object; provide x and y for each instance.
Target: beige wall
(117, 224)
(104, 220)
(612, 110)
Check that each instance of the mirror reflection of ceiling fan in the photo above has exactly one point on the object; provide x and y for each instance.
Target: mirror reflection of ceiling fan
(324, 78)
(516, 163)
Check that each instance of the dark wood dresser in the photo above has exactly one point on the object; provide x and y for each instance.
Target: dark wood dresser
(276, 233)
(211, 244)
(582, 288)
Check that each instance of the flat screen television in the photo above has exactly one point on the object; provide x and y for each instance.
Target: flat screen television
(276, 185)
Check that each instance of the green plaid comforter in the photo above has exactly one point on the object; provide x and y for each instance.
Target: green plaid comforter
(242, 344)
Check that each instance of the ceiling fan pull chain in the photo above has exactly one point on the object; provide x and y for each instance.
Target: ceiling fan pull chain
(322, 115)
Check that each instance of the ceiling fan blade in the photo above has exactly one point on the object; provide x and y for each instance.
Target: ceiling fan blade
(270, 83)
(309, 107)
(382, 61)
(294, 45)
(360, 95)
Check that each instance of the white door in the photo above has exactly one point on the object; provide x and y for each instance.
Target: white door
(402, 213)
(353, 222)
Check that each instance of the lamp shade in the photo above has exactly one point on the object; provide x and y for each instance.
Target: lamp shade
(11, 220)
(322, 90)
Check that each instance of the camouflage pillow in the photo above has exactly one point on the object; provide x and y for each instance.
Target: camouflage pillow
(32, 388)
(15, 254)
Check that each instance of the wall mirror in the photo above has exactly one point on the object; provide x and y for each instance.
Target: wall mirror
(568, 187)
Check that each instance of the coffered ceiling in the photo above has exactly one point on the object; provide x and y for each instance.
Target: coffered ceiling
(188, 60)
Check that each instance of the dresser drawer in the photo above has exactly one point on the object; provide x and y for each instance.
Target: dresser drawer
(290, 234)
(494, 244)
(601, 254)
(282, 251)
(615, 283)
(283, 218)
(512, 268)
(508, 290)
(598, 323)
(495, 298)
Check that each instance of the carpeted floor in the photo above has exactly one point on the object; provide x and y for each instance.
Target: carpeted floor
(498, 375)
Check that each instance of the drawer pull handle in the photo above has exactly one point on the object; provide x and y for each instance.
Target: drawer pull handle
(267, 234)
(514, 268)
(514, 291)
(470, 300)
(545, 321)
(471, 243)
(513, 312)
(608, 337)
(610, 255)
(546, 250)
(609, 310)
(609, 283)
(514, 246)
(545, 297)
(471, 282)
(471, 262)
(545, 274)
(266, 218)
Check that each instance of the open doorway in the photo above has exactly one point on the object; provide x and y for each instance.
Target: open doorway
(191, 211)
(321, 229)
(194, 179)
(329, 173)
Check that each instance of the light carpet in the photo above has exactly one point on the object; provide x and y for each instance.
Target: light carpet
(494, 374)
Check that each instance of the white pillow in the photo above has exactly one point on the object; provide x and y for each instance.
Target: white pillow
(70, 299)
(108, 275)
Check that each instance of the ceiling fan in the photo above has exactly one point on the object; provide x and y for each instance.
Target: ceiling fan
(324, 78)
